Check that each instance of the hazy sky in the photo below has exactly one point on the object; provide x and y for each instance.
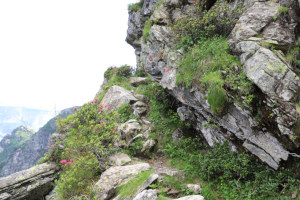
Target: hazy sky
(56, 51)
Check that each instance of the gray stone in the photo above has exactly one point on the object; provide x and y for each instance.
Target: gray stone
(161, 15)
(135, 81)
(281, 32)
(139, 108)
(146, 195)
(115, 176)
(30, 184)
(118, 159)
(130, 129)
(191, 197)
(253, 21)
(117, 96)
(142, 98)
(168, 171)
(194, 187)
(148, 146)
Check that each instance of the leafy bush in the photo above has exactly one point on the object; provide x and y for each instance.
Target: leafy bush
(90, 135)
(199, 23)
(135, 7)
(146, 32)
(234, 175)
(124, 70)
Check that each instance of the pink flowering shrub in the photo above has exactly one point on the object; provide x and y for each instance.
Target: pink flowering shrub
(86, 148)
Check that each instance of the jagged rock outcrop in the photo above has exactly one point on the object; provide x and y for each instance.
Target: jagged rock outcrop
(116, 96)
(35, 148)
(277, 80)
(30, 184)
(112, 178)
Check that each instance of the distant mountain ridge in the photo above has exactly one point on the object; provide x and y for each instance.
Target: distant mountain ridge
(13, 117)
(33, 149)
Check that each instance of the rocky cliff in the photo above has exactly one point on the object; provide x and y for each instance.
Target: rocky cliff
(34, 149)
(261, 37)
(13, 141)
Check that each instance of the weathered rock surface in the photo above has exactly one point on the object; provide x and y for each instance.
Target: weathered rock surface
(276, 79)
(118, 159)
(117, 96)
(194, 187)
(146, 195)
(139, 108)
(116, 176)
(191, 197)
(135, 81)
(130, 129)
(30, 184)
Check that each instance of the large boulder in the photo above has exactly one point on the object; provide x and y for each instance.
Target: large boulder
(117, 96)
(146, 195)
(30, 184)
(115, 176)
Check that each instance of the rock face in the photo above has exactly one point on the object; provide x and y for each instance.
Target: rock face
(30, 184)
(116, 176)
(278, 82)
(35, 148)
(146, 195)
(117, 96)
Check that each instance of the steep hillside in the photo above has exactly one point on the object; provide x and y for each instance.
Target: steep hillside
(32, 150)
(11, 142)
(12, 117)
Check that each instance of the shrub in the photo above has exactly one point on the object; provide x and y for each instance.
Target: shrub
(146, 32)
(135, 7)
(91, 132)
(233, 175)
(199, 23)
(283, 10)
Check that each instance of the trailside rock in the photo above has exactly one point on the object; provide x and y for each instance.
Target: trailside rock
(118, 159)
(117, 96)
(191, 197)
(146, 195)
(139, 108)
(194, 187)
(130, 129)
(116, 176)
(30, 184)
(135, 81)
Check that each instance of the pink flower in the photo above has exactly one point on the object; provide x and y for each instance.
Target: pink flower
(71, 160)
(167, 69)
(181, 17)
(100, 104)
(101, 110)
(101, 121)
(69, 150)
(63, 161)
(68, 163)
(121, 106)
(151, 58)
(160, 56)
(96, 128)
(55, 144)
(51, 140)
(75, 108)
(108, 107)
(194, 2)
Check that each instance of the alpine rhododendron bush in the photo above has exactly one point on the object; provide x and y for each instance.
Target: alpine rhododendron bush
(88, 141)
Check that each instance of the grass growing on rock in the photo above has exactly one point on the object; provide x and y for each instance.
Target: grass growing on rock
(131, 187)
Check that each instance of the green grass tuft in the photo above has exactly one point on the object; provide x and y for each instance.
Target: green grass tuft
(130, 188)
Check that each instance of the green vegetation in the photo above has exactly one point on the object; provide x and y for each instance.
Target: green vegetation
(14, 141)
(130, 188)
(283, 10)
(90, 135)
(219, 20)
(293, 55)
(231, 175)
(147, 27)
(203, 65)
(135, 7)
